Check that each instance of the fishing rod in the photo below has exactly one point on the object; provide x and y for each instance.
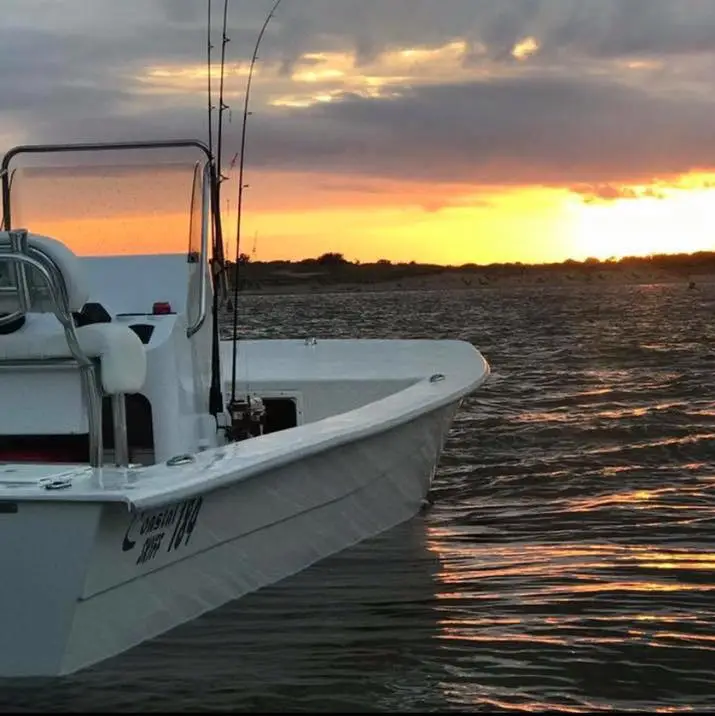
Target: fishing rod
(209, 48)
(241, 187)
(222, 106)
(220, 273)
(216, 404)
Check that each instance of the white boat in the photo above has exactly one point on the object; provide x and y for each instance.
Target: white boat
(143, 480)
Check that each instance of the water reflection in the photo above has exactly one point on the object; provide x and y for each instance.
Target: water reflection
(567, 563)
(368, 613)
(525, 621)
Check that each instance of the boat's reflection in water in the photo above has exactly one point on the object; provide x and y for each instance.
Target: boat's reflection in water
(356, 632)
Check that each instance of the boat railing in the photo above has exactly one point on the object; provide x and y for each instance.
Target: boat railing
(19, 256)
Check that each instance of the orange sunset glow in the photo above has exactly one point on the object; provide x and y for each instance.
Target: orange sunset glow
(302, 216)
(421, 137)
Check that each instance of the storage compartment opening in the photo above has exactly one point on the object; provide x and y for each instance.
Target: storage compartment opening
(59, 449)
(281, 414)
(54, 449)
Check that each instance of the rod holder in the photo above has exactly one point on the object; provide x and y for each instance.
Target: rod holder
(119, 423)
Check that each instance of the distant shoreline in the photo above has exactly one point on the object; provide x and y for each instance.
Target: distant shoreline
(314, 277)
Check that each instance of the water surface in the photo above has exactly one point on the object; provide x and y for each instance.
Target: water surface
(567, 564)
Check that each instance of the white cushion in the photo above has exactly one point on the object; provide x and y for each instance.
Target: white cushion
(69, 265)
(120, 351)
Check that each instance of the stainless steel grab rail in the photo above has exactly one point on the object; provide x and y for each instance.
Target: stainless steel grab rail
(49, 273)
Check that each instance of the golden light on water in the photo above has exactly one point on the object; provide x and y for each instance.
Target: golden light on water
(554, 580)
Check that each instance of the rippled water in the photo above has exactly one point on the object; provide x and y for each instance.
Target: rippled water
(567, 563)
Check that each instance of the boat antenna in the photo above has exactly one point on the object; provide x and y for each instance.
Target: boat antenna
(241, 187)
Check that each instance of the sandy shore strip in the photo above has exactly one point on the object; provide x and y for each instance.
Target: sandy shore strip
(263, 281)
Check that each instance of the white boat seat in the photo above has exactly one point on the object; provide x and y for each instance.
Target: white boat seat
(41, 337)
(119, 350)
(69, 265)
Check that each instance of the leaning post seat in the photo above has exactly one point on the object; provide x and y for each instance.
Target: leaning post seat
(40, 275)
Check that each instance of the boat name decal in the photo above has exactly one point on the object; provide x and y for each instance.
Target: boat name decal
(155, 525)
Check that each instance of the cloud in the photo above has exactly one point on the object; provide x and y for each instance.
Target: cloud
(511, 130)
(590, 28)
(595, 93)
(605, 193)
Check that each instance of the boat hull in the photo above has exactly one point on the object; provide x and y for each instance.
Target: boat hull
(95, 580)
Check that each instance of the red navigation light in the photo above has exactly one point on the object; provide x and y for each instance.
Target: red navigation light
(161, 308)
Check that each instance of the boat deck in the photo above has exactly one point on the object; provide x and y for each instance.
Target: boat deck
(461, 369)
(348, 359)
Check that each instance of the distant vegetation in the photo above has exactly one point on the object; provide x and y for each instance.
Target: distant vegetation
(333, 268)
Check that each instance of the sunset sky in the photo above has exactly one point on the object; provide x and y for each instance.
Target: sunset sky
(448, 131)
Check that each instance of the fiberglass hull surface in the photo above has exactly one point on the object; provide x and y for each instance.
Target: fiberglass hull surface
(104, 580)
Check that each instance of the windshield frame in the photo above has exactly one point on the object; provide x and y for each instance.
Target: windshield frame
(213, 251)
(6, 175)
